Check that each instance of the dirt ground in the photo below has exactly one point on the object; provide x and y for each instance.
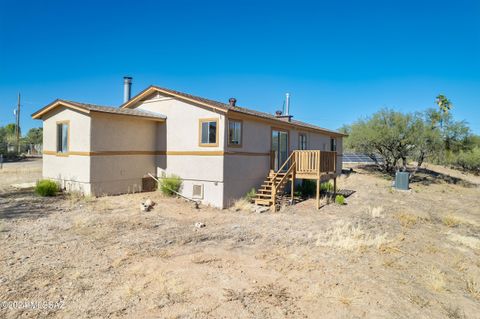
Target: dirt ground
(386, 254)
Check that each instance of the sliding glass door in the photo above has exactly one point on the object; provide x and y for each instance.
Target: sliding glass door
(279, 148)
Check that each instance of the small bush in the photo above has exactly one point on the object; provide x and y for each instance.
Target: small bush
(340, 200)
(46, 187)
(469, 160)
(170, 184)
(450, 221)
(307, 188)
(406, 219)
(251, 195)
(242, 204)
(326, 187)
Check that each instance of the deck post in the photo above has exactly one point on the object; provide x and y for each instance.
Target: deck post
(293, 185)
(274, 198)
(335, 186)
(318, 193)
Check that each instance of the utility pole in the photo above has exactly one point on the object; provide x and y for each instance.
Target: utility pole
(17, 126)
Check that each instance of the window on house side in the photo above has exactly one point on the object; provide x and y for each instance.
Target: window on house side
(302, 141)
(62, 137)
(209, 132)
(333, 145)
(234, 132)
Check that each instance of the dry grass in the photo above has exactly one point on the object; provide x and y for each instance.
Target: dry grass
(406, 219)
(469, 241)
(344, 295)
(450, 221)
(419, 301)
(473, 288)
(436, 279)
(376, 212)
(241, 204)
(350, 237)
(114, 261)
(204, 259)
(454, 312)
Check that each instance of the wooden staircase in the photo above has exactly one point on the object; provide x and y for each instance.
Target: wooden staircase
(270, 192)
(264, 196)
(303, 164)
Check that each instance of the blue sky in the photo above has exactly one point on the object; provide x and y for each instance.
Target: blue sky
(339, 60)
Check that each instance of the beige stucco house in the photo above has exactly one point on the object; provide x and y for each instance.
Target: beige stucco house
(219, 150)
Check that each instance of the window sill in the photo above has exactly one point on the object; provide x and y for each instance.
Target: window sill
(208, 145)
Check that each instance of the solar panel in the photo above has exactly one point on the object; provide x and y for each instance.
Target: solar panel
(360, 158)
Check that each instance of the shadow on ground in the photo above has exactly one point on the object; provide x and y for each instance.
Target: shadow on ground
(22, 203)
(426, 177)
(423, 176)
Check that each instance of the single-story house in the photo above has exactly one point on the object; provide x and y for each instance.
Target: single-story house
(219, 150)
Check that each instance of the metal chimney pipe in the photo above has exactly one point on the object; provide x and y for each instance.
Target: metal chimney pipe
(287, 104)
(127, 88)
(232, 101)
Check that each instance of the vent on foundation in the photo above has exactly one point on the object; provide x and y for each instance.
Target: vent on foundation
(197, 191)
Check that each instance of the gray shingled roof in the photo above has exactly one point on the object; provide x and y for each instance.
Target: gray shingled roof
(108, 109)
(244, 110)
(115, 110)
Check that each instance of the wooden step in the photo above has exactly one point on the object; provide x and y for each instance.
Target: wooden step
(263, 202)
(264, 191)
(262, 196)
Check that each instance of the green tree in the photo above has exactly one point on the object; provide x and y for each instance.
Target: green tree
(388, 133)
(431, 135)
(427, 140)
(10, 134)
(469, 160)
(443, 103)
(34, 136)
(10, 129)
(3, 144)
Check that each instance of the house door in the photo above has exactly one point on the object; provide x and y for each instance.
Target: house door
(279, 148)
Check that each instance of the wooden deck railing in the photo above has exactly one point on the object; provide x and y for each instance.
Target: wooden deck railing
(314, 162)
(328, 161)
(303, 164)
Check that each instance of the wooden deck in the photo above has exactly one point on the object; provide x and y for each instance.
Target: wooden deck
(308, 164)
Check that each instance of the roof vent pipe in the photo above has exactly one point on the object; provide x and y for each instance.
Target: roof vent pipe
(127, 88)
(287, 104)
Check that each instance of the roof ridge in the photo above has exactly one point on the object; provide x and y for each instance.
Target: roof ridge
(244, 109)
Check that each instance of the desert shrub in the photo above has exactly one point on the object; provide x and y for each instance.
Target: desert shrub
(251, 194)
(307, 188)
(242, 204)
(340, 200)
(468, 160)
(326, 187)
(170, 184)
(46, 187)
(450, 221)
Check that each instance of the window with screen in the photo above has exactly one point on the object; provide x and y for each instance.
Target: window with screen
(333, 144)
(302, 141)
(234, 132)
(62, 137)
(208, 132)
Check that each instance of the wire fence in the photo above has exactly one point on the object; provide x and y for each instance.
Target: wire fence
(13, 150)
